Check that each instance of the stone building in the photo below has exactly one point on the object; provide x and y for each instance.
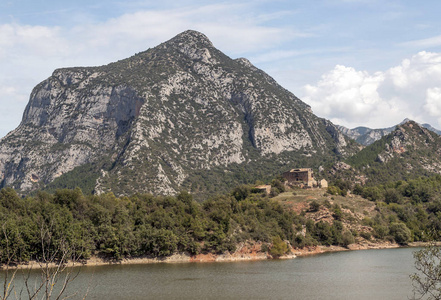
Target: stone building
(264, 188)
(302, 177)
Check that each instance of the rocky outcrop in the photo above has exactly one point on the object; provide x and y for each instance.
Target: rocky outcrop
(407, 152)
(412, 137)
(154, 121)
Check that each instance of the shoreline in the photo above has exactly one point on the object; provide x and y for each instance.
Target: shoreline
(244, 253)
(309, 251)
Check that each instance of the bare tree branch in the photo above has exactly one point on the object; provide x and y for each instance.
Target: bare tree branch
(426, 281)
(57, 264)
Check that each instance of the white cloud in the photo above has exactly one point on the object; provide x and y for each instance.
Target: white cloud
(433, 103)
(18, 39)
(344, 93)
(353, 98)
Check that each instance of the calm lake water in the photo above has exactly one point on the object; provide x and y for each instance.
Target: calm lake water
(369, 274)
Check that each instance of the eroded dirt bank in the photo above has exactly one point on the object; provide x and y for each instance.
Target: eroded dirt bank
(244, 252)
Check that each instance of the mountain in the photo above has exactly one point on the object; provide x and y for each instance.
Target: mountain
(408, 151)
(431, 128)
(366, 136)
(182, 115)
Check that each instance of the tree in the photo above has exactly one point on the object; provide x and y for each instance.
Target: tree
(279, 247)
(241, 192)
(427, 281)
(392, 196)
(400, 232)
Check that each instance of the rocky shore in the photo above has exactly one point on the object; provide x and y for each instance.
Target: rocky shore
(357, 246)
(245, 252)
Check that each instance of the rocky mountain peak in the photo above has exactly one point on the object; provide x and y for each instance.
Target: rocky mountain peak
(409, 136)
(189, 39)
(413, 133)
(182, 115)
(406, 120)
(244, 62)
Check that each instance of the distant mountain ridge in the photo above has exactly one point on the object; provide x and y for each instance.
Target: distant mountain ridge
(366, 136)
(409, 151)
(431, 128)
(182, 115)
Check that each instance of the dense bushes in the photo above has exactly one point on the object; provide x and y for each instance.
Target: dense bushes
(330, 234)
(407, 210)
(115, 227)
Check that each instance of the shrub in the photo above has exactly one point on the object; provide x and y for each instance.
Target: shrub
(392, 196)
(358, 189)
(372, 193)
(277, 184)
(314, 206)
(278, 248)
(274, 192)
(327, 204)
(323, 233)
(380, 231)
(400, 233)
(241, 192)
(299, 241)
(366, 235)
(337, 213)
(342, 185)
(333, 190)
(348, 238)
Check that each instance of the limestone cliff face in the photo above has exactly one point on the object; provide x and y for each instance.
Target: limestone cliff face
(148, 122)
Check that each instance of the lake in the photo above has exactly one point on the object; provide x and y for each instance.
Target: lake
(367, 274)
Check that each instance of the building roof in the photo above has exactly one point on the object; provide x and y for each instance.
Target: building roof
(300, 170)
(263, 186)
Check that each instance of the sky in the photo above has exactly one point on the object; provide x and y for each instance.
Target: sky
(355, 62)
